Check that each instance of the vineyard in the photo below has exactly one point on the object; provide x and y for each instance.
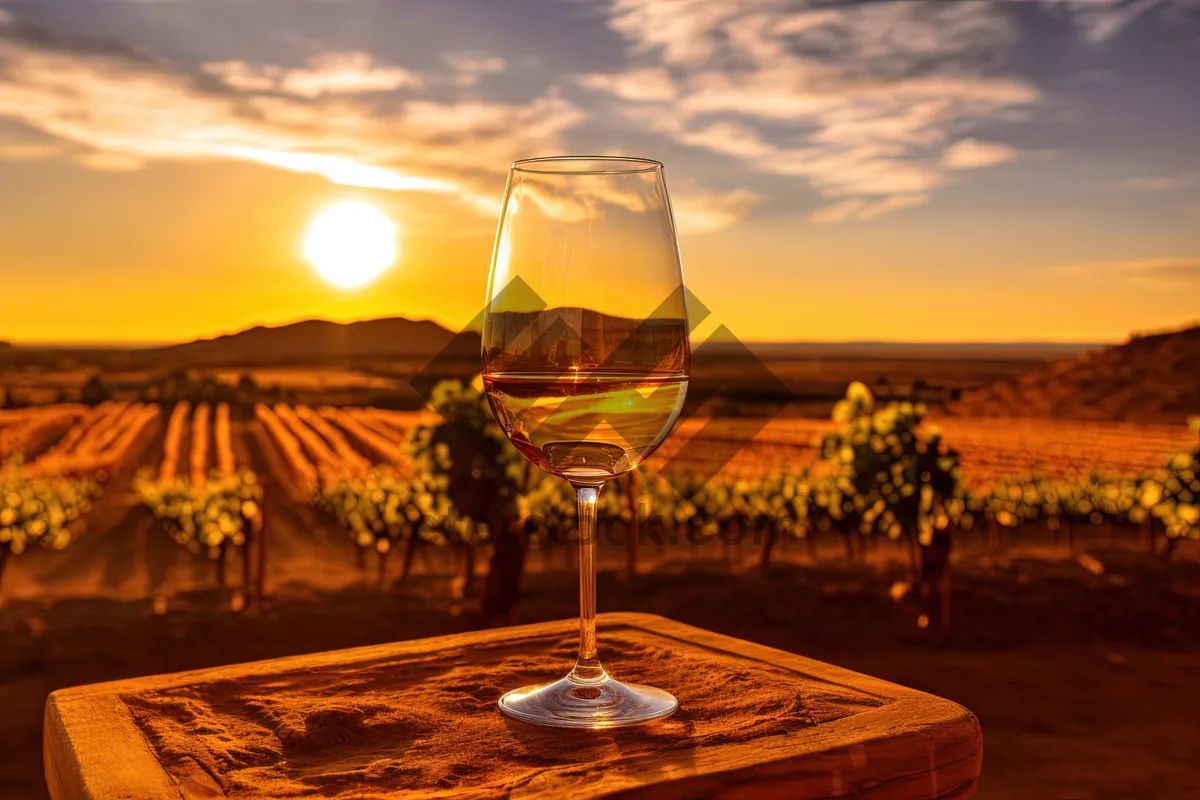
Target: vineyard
(211, 506)
(988, 449)
(151, 538)
(868, 473)
(379, 478)
(55, 461)
(75, 441)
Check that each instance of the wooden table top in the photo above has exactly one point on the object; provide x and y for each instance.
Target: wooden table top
(419, 719)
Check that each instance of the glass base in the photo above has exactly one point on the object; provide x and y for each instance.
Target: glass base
(575, 703)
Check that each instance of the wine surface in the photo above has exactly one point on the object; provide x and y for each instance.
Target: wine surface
(586, 425)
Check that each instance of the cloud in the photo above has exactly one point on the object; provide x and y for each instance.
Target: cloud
(859, 210)
(696, 210)
(471, 65)
(27, 151)
(972, 153)
(122, 108)
(109, 162)
(638, 85)
(327, 73)
(1163, 272)
(857, 99)
(699, 211)
(727, 138)
(1102, 20)
(1165, 183)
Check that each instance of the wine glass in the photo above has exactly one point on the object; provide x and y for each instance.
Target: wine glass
(585, 365)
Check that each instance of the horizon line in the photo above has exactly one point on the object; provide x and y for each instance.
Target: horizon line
(149, 344)
(144, 344)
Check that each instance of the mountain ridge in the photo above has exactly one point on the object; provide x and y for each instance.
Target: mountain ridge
(384, 336)
(1150, 378)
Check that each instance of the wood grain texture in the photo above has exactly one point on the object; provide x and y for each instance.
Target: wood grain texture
(418, 719)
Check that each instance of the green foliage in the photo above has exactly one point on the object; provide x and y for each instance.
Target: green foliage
(1015, 500)
(1172, 494)
(702, 507)
(208, 518)
(707, 507)
(613, 504)
(885, 471)
(549, 511)
(784, 502)
(40, 510)
(1105, 498)
(466, 471)
(881, 471)
(385, 508)
(466, 457)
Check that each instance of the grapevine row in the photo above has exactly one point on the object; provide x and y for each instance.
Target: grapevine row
(209, 508)
(71, 451)
(818, 495)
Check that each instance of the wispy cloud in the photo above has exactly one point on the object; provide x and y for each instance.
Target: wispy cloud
(109, 162)
(1165, 183)
(858, 209)
(972, 153)
(326, 73)
(696, 210)
(472, 65)
(1163, 271)
(648, 84)
(116, 109)
(700, 211)
(860, 100)
(27, 151)
(874, 106)
(1102, 20)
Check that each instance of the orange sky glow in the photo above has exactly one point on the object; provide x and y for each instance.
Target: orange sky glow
(167, 198)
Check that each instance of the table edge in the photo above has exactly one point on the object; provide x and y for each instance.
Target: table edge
(924, 728)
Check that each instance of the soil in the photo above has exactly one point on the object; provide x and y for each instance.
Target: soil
(1084, 684)
(386, 726)
(1082, 670)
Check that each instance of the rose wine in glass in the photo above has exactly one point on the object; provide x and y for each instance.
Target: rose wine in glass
(585, 365)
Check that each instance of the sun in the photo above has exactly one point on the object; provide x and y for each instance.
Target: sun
(350, 244)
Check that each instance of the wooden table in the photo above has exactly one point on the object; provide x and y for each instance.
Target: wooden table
(419, 719)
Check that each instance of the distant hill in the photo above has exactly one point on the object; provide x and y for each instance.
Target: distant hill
(1154, 378)
(917, 351)
(394, 337)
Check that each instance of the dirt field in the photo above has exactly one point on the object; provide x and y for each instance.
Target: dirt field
(1083, 685)
(988, 448)
(1083, 682)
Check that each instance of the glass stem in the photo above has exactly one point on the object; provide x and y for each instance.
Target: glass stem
(587, 667)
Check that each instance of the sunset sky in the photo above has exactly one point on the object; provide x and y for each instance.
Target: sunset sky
(931, 171)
